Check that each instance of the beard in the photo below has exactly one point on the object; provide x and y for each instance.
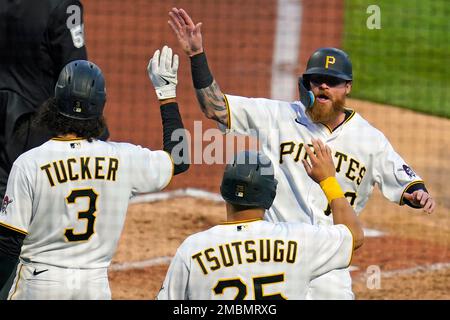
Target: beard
(324, 113)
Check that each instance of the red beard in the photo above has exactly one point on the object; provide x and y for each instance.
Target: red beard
(325, 112)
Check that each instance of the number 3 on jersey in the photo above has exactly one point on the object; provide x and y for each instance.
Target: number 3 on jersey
(88, 214)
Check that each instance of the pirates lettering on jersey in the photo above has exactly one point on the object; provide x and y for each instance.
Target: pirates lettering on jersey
(351, 168)
(83, 168)
(248, 251)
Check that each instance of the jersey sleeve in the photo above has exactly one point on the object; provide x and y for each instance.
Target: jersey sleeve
(151, 170)
(66, 34)
(328, 248)
(16, 211)
(249, 115)
(175, 285)
(393, 174)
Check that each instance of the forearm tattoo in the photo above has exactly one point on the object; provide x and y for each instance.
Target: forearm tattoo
(213, 103)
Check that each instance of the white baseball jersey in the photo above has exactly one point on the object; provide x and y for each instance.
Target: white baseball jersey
(70, 198)
(254, 260)
(362, 155)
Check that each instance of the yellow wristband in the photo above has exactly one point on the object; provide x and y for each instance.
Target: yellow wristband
(331, 188)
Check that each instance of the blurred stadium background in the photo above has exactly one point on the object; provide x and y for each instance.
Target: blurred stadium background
(258, 48)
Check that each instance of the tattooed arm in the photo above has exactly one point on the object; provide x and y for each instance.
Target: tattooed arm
(212, 103)
(209, 95)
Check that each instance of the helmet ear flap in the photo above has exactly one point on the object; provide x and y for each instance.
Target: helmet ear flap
(304, 88)
(305, 81)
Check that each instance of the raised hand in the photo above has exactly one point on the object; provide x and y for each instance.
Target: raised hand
(321, 164)
(188, 34)
(162, 71)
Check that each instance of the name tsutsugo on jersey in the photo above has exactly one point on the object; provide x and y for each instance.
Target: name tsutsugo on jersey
(247, 251)
(81, 168)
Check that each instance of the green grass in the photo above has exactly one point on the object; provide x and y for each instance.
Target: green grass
(406, 62)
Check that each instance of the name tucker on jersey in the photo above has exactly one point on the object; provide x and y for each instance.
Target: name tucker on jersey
(247, 251)
(82, 168)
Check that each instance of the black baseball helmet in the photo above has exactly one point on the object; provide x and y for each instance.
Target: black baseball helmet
(329, 61)
(80, 91)
(249, 181)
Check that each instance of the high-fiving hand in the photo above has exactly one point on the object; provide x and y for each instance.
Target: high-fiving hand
(188, 34)
(320, 165)
(162, 71)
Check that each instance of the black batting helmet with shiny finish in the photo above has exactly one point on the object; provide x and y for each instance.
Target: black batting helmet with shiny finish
(329, 61)
(80, 91)
(249, 181)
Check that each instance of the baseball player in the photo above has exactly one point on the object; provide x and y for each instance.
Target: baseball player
(248, 258)
(37, 39)
(66, 200)
(362, 155)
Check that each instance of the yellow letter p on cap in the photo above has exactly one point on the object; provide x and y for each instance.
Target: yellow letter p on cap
(329, 60)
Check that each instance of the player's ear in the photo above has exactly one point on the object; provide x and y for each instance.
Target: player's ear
(348, 87)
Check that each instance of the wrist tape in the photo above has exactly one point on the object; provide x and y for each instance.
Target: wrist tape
(331, 188)
(201, 75)
(166, 92)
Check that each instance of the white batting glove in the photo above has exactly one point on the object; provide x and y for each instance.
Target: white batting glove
(162, 71)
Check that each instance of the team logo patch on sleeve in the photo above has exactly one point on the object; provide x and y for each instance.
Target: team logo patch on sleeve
(408, 171)
(5, 203)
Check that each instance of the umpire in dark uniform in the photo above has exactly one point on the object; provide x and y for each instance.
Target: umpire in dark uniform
(37, 39)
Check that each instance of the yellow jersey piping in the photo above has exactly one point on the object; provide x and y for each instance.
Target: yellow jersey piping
(227, 105)
(353, 246)
(342, 123)
(14, 228)
(17, 282)
(241, 221)
(67, 139)
(407, 187)
(173, 168)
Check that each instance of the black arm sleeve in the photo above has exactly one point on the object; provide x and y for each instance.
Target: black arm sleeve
(201, 75)
(177, 148)
(10, 246)
(411, 189)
